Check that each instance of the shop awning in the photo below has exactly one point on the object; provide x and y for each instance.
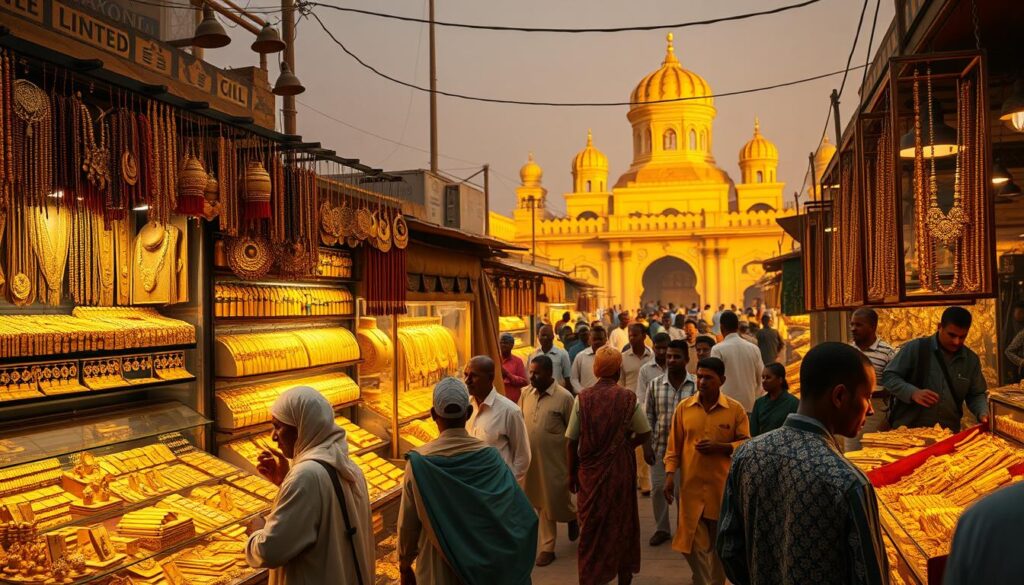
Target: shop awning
(775, 264)
(439, 235)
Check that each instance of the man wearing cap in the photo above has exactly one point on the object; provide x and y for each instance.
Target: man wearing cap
(457, 488)
(513, 372)
(546, 408)
(496, 420)
(559, 357)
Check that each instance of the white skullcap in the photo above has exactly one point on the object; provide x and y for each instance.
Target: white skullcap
(451, 398)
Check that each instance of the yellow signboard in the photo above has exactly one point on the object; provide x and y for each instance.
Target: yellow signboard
(90, 30)
(31, 9)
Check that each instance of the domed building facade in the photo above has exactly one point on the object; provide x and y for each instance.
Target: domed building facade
(674, 227)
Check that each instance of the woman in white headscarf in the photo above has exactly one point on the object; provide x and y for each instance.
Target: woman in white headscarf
(305, 540)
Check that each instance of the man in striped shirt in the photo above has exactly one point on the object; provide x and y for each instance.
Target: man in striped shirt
(664, 393)
(864, 331)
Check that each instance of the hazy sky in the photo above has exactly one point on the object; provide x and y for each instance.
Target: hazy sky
(559, 67)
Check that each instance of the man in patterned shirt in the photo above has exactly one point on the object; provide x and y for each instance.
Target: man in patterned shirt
(795, 510)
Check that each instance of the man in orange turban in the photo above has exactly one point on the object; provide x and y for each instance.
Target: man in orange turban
(605, 427)
(607, 363)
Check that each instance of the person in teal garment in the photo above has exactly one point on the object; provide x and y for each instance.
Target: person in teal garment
(771, 410)
(463, 519)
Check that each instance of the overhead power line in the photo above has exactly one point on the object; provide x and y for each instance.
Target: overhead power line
(529, 29)
(492, 100)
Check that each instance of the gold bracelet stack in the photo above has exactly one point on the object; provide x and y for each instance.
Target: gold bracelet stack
(90, 329)
(257, 300)
(243, 407)
(376, 347)
(277, 351)
(334, 264)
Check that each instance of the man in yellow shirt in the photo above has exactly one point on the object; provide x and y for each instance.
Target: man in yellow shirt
(706, 428)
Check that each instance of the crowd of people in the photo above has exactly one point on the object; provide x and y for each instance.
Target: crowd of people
(679, 408)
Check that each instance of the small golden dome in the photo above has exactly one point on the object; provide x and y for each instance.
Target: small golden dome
(824, 155)
(590, 157)
(672, 82)
(531, 173)
(758, 147)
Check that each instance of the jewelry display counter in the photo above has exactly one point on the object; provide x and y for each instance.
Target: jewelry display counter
(124, 497)
(922, 496)
(433, 341)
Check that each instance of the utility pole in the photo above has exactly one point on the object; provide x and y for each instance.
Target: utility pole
(487, 200)
(288, 111)
(433, 93)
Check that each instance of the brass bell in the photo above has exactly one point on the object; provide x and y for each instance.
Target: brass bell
(268, 41)
(287, 82)
(210, 33)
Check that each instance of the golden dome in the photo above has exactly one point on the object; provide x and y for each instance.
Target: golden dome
(758, 147)
(531, 173)
(824, 154)
(672, 82)
(590, 157)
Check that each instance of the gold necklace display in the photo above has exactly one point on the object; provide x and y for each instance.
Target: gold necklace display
(945, 227)
(882, 253)
(95, 157)
(160, 246)
(250, 258)
(21, 262)
(33, 143)
(946, 235)
(50, 233)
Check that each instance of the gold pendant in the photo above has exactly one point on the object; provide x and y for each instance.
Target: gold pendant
(400, 231)
(947, 228)
(21, 287)
(129, 168)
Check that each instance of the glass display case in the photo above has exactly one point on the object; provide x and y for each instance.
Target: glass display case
(123, 497)
(409, 355)
(1006, 414)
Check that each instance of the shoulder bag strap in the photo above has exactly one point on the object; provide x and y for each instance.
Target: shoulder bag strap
(349, 529)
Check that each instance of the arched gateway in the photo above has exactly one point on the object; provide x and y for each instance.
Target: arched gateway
(670, 280)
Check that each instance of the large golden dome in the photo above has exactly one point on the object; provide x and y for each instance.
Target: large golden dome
(531, 173)
(590, 157)
(758, 147)
(672, 82)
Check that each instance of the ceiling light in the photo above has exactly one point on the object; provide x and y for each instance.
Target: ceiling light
(1000, 176)
(268, 41)
(143, 207)
(210, 33)
(287, 82)
(945, 143)
(1013, 107)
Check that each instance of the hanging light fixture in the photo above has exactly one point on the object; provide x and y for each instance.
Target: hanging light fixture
(268, 41)
(945, 138)
(1000, 175)
(287, 82)
(1013, 107)
(210, 33)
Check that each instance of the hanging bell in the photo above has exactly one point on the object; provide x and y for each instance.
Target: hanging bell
(191, 187)
(268, 41)
(287, 82)
(210, 33)
(257, 192)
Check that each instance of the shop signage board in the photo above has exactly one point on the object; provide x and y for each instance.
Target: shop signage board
(94, 29)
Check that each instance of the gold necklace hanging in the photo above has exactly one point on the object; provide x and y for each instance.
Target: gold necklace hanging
(150, 275)
(946, 227)
(51, 248)
(21, 262)
(95, 157)
(33, 143)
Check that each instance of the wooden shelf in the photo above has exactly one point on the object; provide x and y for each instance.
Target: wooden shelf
(226, 435)
(224, 383)
(279, 320)
(123, 390)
